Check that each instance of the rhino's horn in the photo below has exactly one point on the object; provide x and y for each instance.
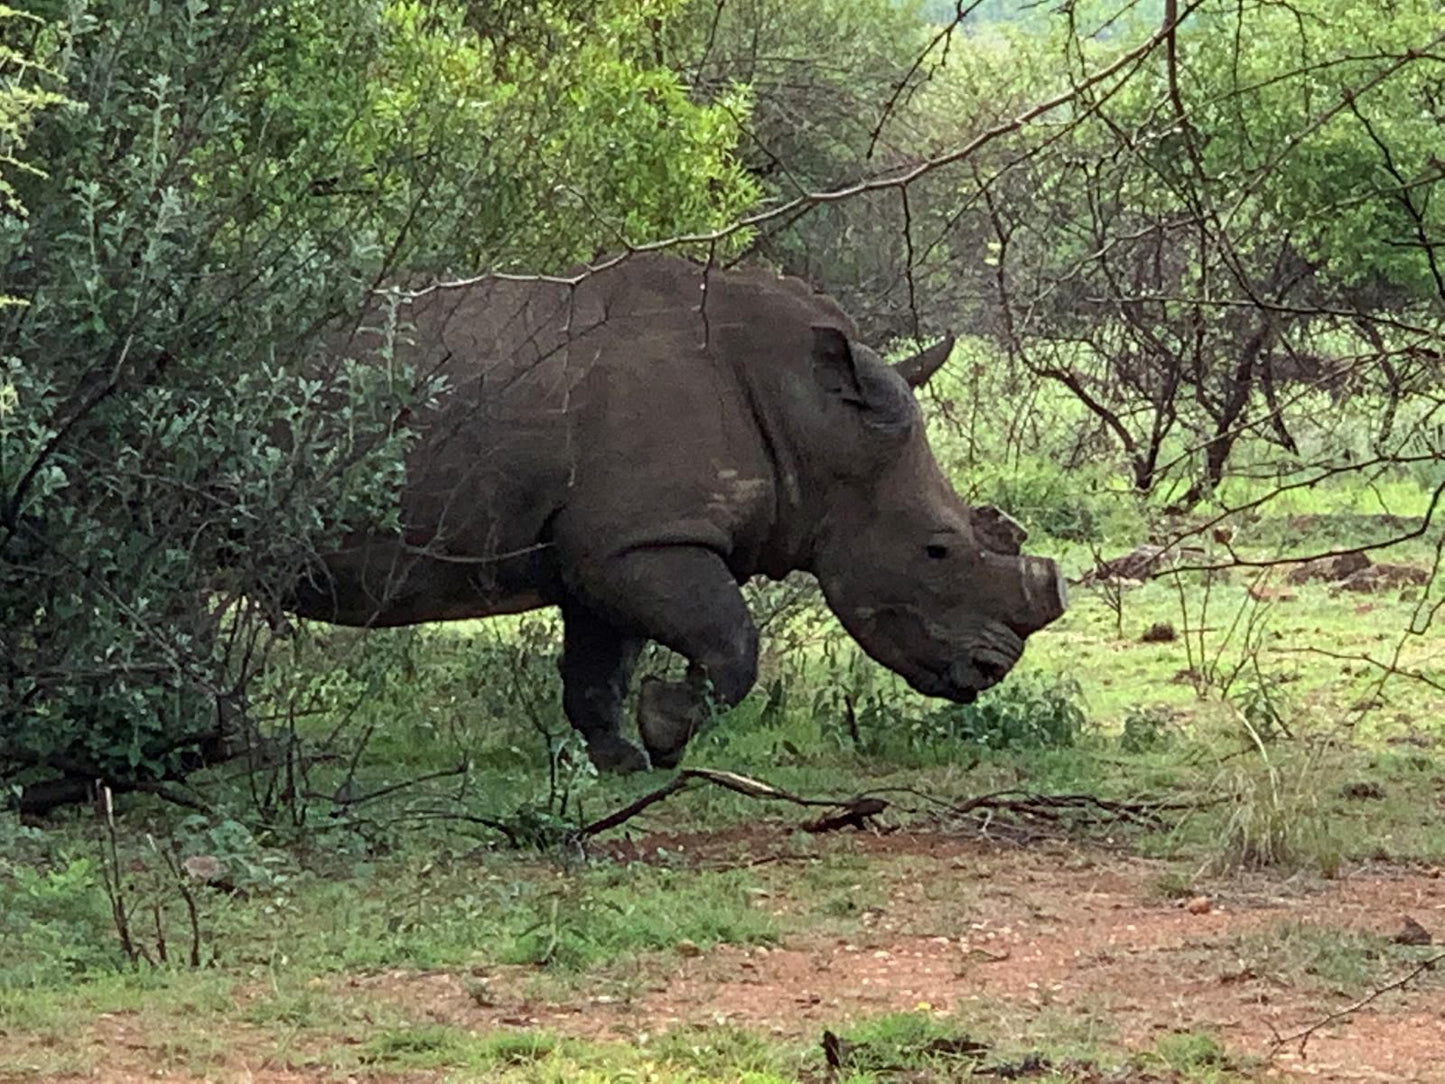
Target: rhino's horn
(1046, 595)
(918, 368)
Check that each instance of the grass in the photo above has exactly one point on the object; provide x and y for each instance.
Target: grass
(439, 914)
(1328, 958)
(372, 1038)
(1300, 765)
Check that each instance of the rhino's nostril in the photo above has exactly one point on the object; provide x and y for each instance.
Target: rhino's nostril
(992, 670)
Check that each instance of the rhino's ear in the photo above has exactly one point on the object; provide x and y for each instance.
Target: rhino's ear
(998, 530)
(860, 380)
(917, 369)
(833, 365)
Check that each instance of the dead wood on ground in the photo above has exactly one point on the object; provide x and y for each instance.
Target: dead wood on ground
(860, 810)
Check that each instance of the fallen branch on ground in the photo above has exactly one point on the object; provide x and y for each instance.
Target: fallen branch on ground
(1054, 806)
(857, 814)
(857, 811)
(741, 784)
(1304, 1034)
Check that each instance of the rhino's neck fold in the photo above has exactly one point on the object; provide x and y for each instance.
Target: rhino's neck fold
(789, 545)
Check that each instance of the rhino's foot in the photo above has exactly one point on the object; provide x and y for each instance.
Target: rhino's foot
(668, 714)
(614, 753)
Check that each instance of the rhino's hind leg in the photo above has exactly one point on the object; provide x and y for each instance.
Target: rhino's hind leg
(595, 664)
(684, 598)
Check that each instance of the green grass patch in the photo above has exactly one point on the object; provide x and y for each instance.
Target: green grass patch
(1297, 763)
(1329, 958)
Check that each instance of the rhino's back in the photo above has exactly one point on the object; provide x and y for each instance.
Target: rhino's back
(579, 420)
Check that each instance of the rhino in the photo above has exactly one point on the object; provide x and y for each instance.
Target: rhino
(633, 446)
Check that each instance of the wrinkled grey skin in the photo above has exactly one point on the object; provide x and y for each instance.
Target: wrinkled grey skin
(633, 449)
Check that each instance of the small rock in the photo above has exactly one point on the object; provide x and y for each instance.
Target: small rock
(1199, 905)
(1141, 564)
(1328, 569)
(1384, 577)
(687, 948)
(1412, 933)
(203, 867)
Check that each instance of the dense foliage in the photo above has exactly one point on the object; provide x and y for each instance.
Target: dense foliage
(1220, 245)
(1228, 230)
(1231, 229)
(229, 179)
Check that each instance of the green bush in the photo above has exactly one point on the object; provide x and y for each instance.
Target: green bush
(1028, 711)
(54, 923)
(1145, 728)
(171, 455)
(1072, 505)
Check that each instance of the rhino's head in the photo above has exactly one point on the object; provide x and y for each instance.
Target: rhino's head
(930, 587)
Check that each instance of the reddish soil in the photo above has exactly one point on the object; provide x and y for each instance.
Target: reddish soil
(1016, 934)
(1022, 943)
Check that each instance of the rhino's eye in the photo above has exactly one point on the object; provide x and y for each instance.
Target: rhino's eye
(936, 551)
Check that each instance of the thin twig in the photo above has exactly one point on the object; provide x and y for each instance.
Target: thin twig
(346, 800)
(900, 178)
(1304, 1034)
(855, 810)
(627, 812)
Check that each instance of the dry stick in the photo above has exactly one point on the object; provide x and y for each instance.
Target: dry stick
(627, 812)
(852, 812)
(1324, 473)
(193, 915)
(514, 839)
(344, 800)
(111, 876)
(1387, 669)
(1304, 1034)
(740, 784)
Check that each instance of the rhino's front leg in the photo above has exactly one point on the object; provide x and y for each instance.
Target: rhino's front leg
(596, 662)
(669, 713)
(685, 598)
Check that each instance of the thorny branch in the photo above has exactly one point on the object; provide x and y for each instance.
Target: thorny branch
(1419, 531)
(740, 784)
(1387, 668)
(906, 85)
(1304, 1034)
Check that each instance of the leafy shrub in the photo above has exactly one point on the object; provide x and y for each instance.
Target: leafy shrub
(54, 923)
(171, 453)
(1262, 711)
(1028, 711)
(1145, 728)
(1072, 505)
(242, 861)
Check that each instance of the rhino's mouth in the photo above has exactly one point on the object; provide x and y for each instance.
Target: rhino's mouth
(963, 679)
(936, 660)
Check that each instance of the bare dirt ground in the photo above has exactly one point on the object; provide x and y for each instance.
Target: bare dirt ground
(1054, 934)
(1029, 942)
